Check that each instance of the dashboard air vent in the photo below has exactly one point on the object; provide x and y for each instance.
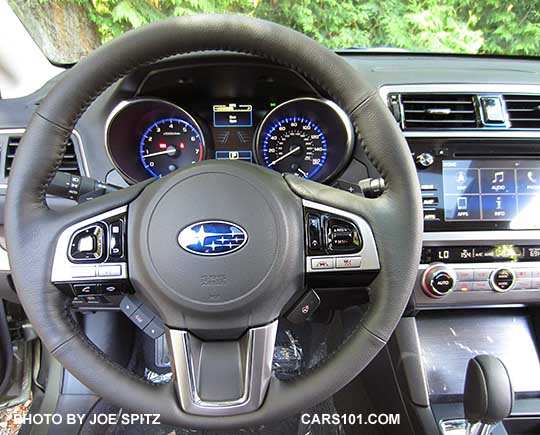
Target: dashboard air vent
(439, 111)
(523, 110)
(69, 163)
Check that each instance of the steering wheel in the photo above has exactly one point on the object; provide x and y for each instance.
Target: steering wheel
(220, 311)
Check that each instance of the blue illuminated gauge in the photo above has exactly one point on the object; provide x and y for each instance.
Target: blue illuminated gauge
(170, 144)
(295, 145)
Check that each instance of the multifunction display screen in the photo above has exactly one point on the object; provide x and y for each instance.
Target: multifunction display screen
(492, 190)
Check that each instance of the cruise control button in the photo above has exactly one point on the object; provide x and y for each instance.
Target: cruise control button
(109, 270)
(129, 305)
(322, 263)
(154, 329)
(142, 317)
(348, 262)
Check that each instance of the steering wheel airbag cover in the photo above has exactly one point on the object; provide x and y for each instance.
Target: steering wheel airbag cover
(29, 222)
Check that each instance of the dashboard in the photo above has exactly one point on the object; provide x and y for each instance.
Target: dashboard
(158, 131)
(475, 138)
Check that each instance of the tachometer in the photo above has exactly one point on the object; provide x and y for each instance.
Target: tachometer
(169, 144)
(296, 145)
(308, 137)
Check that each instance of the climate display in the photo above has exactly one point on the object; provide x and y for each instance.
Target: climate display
(491, 190)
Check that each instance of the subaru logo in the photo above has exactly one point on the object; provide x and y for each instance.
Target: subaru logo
(212, 238)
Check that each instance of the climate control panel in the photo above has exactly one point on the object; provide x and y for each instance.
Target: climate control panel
(468, 284)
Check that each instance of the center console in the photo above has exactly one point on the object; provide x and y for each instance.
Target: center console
(478, 285)
(481, 200)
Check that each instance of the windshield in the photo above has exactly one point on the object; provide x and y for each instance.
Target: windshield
(69, 29)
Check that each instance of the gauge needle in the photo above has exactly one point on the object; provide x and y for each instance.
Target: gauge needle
(284, 156)
(160, 153)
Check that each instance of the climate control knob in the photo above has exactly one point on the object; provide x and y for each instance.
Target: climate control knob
(438, 280)
(502, 280)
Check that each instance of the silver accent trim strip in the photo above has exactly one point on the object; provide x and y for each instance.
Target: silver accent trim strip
(369, 253)
(479, 237)
(62, 269)
(535, 265)
(257, 346)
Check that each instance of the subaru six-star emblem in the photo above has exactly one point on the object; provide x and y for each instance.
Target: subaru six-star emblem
(212, 238)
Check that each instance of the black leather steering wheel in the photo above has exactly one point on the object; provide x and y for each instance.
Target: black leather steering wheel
(239, 317)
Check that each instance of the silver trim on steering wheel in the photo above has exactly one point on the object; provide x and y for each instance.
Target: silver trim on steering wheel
(256, 348)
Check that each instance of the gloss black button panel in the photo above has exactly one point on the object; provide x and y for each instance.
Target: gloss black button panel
(329, 234)
(304, 308)
(142, 316)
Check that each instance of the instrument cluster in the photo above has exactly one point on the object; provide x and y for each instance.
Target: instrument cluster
(151, 137)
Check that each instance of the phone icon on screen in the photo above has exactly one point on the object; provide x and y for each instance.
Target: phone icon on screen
(531, 177)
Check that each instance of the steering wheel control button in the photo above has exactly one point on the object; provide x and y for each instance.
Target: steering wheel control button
(322, 263)
(83, 272)
(116, 239)
(502, 280)
(109, 270)
(88, 244)
(129, 305)
(342, 236)
(304, 308)
(142, 317)
(111, 289)
(154, 329)
(86, 289)
(439, 279)
(348, 262)
(314, 232)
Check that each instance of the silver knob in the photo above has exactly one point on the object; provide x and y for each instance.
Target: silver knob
(438, 280)
(424, 160)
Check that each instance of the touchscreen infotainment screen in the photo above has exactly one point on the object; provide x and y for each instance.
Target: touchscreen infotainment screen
(492, 190)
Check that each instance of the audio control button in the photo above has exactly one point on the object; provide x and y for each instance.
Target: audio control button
(502, 280)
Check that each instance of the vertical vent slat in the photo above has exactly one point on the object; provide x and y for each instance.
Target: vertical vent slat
(69, 163)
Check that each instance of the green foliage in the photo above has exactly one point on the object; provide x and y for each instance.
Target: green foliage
(461, 26)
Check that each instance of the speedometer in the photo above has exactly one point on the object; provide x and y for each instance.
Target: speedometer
(296, 145)
(308, 137)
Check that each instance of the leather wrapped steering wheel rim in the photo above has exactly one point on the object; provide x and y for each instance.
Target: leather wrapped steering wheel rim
(395, 217)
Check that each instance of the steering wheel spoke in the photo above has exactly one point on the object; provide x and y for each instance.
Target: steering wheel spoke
(220, 378)
(90, 258)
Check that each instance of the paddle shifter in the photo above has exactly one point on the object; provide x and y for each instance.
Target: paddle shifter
(488, 396)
